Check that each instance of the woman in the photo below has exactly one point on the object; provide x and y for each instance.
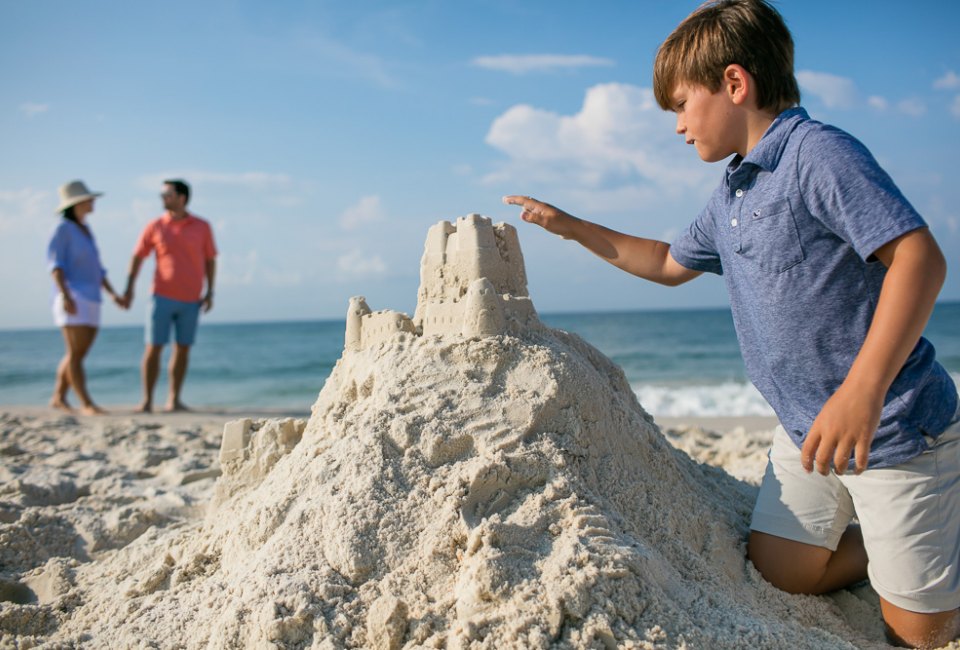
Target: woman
(74, 261)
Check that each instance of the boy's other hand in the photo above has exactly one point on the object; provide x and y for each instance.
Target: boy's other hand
(846, 425)
(543, 214)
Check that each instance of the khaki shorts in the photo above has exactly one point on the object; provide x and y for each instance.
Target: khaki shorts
(909, 515)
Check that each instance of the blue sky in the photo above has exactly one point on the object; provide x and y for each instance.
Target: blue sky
(322, 139)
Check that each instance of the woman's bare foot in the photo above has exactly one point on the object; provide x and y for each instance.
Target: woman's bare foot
(176, 407)
(60, 404)
(92, 409)
(145, 407)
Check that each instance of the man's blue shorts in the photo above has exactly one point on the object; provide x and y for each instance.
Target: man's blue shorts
(165, 313)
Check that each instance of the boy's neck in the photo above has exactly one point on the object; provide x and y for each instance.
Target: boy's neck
(757, 123)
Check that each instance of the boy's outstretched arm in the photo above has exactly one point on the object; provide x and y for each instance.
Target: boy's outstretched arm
(848, 420)
(646, 258)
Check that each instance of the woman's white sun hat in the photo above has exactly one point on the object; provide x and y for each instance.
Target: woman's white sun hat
(73, 193)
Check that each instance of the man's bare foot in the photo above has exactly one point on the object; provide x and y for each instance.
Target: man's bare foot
(176, 407)
(92, 409)
(61, 404)
(145, 407)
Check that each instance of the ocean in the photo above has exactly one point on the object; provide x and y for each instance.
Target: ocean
(679, 362)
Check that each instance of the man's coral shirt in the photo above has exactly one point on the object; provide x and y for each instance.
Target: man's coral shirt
(183, 247)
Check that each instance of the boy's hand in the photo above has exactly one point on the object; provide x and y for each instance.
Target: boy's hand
(846, 424)
(543, 214)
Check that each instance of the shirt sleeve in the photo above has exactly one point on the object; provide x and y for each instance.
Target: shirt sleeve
(695, 248)
(58, 249)
(847, 190)
(145, 244)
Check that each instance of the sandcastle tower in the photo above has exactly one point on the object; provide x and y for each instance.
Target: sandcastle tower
(473, 284)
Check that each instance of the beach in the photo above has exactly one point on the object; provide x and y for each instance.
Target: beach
(123, 490)
(471, 476)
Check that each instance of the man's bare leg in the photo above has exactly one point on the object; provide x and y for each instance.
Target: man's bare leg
(149, 371)
(179, 361)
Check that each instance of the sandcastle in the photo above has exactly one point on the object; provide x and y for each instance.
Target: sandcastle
(468, 478)
(472, 284)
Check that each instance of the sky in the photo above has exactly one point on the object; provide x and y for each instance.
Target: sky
(323, 139)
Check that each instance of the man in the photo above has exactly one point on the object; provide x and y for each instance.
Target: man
(185, 255)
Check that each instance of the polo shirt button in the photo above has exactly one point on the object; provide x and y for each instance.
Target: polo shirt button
(733, 222)
(739, 193)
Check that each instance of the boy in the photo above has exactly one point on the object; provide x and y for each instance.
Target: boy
(832, 276)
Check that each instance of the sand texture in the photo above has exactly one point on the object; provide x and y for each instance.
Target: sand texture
(476, 482)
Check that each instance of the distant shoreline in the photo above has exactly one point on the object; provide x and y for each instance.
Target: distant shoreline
(543, 314)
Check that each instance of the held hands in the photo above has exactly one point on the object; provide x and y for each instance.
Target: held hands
(846, 424)
(543, 214)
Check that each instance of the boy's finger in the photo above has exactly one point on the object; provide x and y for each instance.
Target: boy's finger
(862, 456)
(809, 450)
(841, 458)
(517, 199)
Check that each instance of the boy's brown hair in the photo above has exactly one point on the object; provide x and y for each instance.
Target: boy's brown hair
(750, 33)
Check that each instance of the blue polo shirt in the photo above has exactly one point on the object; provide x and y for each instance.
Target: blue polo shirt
(792, 228)
(74, 251)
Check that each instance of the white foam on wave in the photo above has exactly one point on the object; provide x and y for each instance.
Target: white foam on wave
(726, 399)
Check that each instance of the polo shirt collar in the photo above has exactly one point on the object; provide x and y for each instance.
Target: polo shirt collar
(168, 218)
(766, 153)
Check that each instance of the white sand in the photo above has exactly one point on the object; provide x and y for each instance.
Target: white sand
(484, 491)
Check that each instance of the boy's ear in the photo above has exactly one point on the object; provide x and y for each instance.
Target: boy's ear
(738, 83)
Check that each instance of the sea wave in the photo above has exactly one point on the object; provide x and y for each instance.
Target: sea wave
(723, 399)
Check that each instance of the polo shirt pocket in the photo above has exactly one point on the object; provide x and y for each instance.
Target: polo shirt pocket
(770, 238)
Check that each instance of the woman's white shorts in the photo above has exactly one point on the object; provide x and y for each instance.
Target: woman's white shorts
(88, 312)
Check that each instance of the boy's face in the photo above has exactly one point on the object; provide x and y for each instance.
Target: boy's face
(707, 120)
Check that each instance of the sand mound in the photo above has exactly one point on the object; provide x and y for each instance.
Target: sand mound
(468, 478)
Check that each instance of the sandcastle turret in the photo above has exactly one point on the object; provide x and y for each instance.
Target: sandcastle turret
(472, 284)
(355, 312)
(483, 311)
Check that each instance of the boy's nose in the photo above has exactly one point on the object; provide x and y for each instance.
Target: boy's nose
(681, 127)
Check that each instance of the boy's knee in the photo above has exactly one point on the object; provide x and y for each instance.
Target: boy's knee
(782, 566)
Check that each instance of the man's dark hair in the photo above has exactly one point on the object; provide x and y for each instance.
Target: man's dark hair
(180, 187)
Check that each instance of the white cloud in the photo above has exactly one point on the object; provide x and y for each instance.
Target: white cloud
(32, 109)
(25, 208)
(610, 154)
(949, 81)
(235, 269)
(524, 63)
(834, 91)
(912, 106)
(357, 263)
(878, 103)
(246, 270)
(955, 107)
(367, 210)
